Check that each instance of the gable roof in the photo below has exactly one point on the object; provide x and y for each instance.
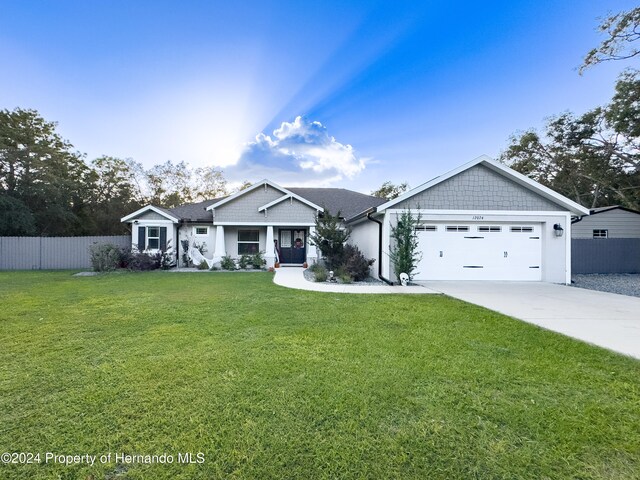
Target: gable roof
(258, 185)
(497, 167)
(159, 210)
(595, 211)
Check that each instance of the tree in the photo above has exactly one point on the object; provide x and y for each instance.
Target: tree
(15, 217)
(593, 158)
(390, 191)
(114, 194)
(403, 252)
(209, 183)
(330, 238)
(622, 30)
(43, 172)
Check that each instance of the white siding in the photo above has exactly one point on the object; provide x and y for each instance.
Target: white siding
(364, 235)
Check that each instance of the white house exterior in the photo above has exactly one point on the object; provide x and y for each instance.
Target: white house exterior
(480, 221)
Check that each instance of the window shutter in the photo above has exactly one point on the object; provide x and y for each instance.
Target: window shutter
(163, 238)
(141, 238)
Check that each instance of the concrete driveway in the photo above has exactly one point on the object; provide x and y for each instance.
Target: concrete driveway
(606, 319)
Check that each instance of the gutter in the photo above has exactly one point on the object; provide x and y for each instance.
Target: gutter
(369, 217)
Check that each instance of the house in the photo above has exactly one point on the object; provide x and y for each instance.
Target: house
(480, 221)
(606, 241)
(247, 222)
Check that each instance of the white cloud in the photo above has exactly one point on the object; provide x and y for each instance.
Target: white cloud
(298, 152)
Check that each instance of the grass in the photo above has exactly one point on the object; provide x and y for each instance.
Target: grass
(275, 383)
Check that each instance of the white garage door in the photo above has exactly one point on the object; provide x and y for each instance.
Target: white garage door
(479, 251)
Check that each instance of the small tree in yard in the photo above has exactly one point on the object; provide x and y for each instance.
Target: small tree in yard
(404, 254)
(330, 238)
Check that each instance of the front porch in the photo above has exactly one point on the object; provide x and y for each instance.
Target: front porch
(287, 244)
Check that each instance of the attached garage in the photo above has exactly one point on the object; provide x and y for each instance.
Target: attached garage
(480, 251)
(480, 221)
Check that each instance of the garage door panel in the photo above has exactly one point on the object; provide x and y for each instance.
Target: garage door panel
(507, 252)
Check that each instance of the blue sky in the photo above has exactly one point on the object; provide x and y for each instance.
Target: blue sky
(325, 93)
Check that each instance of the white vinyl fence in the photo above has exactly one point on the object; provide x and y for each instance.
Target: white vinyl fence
(50, 253)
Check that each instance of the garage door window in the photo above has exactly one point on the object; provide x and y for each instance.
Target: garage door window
(490, 229)
(457, 228)
(426, 228)
(522, 229)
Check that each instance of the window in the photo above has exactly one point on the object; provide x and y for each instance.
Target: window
(426, 228)
(457, 228)
(490, 229)
(522, 229)
(248, 242)
(202, 230)
(600, 233)
(153, 238)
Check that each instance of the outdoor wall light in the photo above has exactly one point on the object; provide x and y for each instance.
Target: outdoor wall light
(136, 222)
(558, 230)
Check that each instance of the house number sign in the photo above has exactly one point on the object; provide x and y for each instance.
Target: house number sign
(477, 217)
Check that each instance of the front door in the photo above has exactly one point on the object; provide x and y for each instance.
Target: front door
(292, 246)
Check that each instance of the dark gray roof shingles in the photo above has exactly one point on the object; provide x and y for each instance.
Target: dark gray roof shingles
(347, 202)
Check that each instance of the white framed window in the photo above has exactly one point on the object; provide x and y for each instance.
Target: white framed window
(457, 228)
(153, 238)
(522, 229)
(601, 233)
(202, 230)
(248, 242)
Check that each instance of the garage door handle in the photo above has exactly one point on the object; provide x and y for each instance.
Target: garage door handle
(440, 253)
(506, 254)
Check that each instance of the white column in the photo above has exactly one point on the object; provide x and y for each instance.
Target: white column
(220, 250)
(312, 251)
(270, 255)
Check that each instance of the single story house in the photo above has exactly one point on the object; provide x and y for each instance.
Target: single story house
(480, 221)
(606, 241)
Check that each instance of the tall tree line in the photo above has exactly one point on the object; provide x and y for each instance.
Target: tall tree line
(47, 187)
(593, 158)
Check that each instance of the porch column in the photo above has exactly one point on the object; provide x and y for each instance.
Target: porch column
(270, 255)
(220, 250)
(312, 251)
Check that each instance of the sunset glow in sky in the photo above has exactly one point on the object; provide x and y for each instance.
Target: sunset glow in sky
(304, 93)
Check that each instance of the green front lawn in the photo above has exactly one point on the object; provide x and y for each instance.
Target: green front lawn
(275, 383)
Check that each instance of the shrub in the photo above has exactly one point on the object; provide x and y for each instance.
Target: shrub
(227, 263)
(356, 265)
(404, 254)
(345, 278)
(203, 266)
(245, 261)
(105, 257)
(320, 274)
(257, 260)
(142, 261)
(330, 238)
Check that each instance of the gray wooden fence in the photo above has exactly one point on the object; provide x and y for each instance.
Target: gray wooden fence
(605, 255)
(44, 253)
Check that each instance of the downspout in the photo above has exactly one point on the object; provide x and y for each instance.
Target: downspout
(379, 248)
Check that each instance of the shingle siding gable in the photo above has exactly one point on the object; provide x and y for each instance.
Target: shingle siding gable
(479, 188)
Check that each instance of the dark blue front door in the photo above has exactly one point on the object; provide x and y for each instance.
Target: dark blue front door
(292, 246)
